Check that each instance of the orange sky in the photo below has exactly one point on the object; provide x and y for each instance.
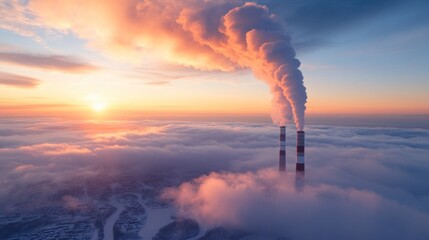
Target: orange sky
(68, 60)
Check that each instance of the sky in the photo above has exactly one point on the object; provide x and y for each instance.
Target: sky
(97, 60)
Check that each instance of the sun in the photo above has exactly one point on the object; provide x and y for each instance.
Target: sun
(98, 106)
(96, 102)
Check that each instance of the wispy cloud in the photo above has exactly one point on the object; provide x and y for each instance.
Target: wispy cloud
(171, 73)
(14, 16)
(18, 81)
(61, 63)
(36, 106)
(157, 83)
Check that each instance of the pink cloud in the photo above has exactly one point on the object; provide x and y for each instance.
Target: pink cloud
(53, 149)
(73, 202)
(47, 62)
(24, 167)
(18, 81)
(275, 204)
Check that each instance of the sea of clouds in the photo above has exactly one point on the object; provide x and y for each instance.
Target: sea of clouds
(360, 183)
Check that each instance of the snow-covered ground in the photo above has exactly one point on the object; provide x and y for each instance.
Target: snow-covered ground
(202, 232)
(94, 235)
(108, 226)
(156, 219)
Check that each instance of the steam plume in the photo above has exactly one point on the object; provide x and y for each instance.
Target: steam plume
(208, 35)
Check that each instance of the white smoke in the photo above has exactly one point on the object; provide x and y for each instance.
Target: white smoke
(281, 112)
(208, 35)
(264, 36)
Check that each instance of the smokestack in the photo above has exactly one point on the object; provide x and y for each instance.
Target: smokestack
(282, 152)
(300, 143)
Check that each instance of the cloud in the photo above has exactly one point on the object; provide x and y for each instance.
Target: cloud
(164, 74)
(360, 183)
(312, 23)
(64, 151)
(50, 149)
(15, 17)
(73, 202)
(128, 29)
(18, 81)
(61, 63)
(269, 203)
(24, 167)
(157, 83)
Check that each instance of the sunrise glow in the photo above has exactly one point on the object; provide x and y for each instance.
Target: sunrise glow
(148, 70)
(98, 106)
(214, 119)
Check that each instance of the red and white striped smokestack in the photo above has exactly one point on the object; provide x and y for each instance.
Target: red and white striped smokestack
(300, 145)
(282, 152)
